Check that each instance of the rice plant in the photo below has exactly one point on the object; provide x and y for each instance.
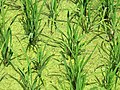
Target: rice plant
(110, 47)
(84, 15)
(27, 80)
(113, 34)
(74, 71)
(109, 80)
(81, 4)
(109, 19)
(74, 61)
(71, 41)
(53, 13)
(31, 77)
(5, 36)
(31, 22)
(41, 61)
(112, 67)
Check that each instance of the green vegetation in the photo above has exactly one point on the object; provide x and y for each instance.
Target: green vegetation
(60, 44)
(5, 37)
(31, 22)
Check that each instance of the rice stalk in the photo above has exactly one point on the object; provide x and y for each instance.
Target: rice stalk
(72, 46)
(31, 22)
(53, 13)
(82, 15)
(31, 75)
(5, 36)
